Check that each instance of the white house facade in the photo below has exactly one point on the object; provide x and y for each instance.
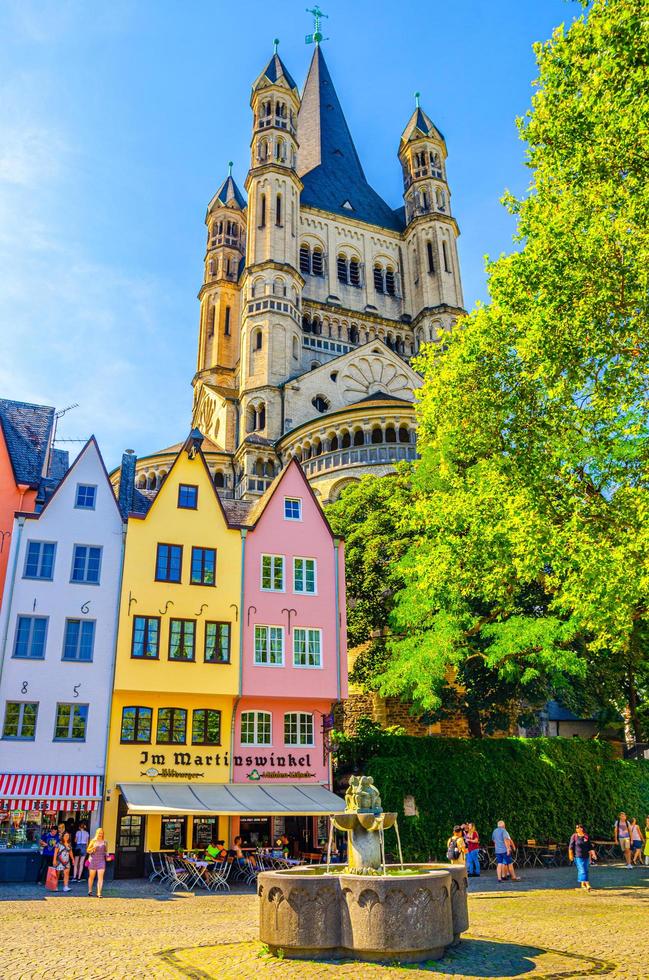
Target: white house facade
(57, 645)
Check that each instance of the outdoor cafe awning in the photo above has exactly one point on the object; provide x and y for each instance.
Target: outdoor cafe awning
(47, 792)
(231, 799)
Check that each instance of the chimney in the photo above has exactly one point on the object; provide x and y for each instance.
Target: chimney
(127, 482)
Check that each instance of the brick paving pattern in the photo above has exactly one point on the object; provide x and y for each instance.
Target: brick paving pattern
(541, 929)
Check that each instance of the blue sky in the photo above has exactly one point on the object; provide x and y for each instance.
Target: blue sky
(116, 124)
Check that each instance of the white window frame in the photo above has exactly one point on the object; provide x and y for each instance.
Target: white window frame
(299, 715)
(39, 578)
(267, 663)
(315, 575)
(19, 737)
(255, 727)
(293, 500)
(84, 581)
(91, 486)
(274, 558)
(72, 705)
(76, 659)
(307, 630)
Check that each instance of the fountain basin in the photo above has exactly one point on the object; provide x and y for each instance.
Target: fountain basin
(309, 913)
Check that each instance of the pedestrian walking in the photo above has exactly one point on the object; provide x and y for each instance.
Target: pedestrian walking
(646, 841)
(81, 839)
(504, 846)
(97, 854)
(455, 846)
(48, 843)
(472, 841)
(63, 860)
(581, 850)
(622, 837)
(637, 840)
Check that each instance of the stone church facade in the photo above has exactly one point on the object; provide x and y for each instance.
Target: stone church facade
(316, 294)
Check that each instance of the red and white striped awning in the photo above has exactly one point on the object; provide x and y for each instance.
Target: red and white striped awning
(29, 792)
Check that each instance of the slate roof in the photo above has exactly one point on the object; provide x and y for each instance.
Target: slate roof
(422, 123)
(27, 430)
(59, 464)
(227, 192)
(274, 71)
(328, 163)
(382, 396)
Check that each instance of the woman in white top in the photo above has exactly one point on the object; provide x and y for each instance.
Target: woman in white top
(81, 839)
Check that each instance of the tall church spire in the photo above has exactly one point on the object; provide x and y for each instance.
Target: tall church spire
(328, 163)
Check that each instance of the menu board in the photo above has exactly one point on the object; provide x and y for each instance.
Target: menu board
(205, 830)
(172, 835)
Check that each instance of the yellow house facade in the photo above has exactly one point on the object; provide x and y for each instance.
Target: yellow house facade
(177, 664)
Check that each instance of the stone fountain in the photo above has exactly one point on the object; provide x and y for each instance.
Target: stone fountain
(368, 910)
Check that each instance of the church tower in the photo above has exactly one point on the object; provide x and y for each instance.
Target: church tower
(272, 283)
(218, 347)
(431, 231)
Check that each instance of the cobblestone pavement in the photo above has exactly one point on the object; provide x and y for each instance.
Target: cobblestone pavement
(542, 929)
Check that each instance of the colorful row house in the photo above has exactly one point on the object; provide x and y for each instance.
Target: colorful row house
(230, 655)
(57, 635)
(169, 662)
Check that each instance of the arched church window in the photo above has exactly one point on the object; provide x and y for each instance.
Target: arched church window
(353, 334)
(317, 448)
(389, 281)
(317, 262)
(377, 436)
(404, 435)
(226, 324)
(447, 266)
(251, 419)
(346, 441)
(261, 416)
(259, 340)
(306, 323)
(429, 255)
(259, 467)
(354, 272)
(440, 197)
(219, 479)
(262, 219)
(320, 403)
(359, 438)
(316, 326)
(305, 257)
(269, 469)
(379, 284)
(390, 434)
(278, 210)
(295, 349)
(333, 445)
(279, 151)
(343, 275)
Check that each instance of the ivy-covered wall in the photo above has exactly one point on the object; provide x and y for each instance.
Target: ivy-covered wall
(539, 786)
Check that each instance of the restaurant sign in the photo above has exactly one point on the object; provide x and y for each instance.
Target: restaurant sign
(184, 765)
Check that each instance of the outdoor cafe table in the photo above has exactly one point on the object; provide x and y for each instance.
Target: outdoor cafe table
(606, 849)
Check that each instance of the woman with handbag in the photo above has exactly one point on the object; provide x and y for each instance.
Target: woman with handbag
(62, 861)
(97, 857)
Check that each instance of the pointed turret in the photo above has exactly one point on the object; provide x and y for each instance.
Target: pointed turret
(228, 195)
(328, 163)
(275, 73)
(420, 125)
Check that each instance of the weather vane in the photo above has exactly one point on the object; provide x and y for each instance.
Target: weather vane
(316, 37)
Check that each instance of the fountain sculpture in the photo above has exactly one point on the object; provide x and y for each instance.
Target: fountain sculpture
(368, 910)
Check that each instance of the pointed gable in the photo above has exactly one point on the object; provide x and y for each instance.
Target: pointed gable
(275, 73)
(89, 468)
(328, 163)
(228, 195)
(290, 482)
(420, 124)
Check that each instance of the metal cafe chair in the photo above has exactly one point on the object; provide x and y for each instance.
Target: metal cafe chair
(217, 876)
(194, 874)
(175, 878)
(157, 866)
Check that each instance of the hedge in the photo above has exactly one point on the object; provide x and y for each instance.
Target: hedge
(539, 786)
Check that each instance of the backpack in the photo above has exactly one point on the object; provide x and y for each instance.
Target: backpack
(453, 851)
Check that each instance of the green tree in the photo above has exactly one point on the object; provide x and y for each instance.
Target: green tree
(533, 481)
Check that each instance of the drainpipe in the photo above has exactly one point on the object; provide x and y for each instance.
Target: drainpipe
(9, 592)
(112, 671)
(337, 595)
(244, 532)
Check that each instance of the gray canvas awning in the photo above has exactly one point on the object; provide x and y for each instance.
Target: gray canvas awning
(231, 799)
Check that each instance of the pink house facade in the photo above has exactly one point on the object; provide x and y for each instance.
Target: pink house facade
(294, 663)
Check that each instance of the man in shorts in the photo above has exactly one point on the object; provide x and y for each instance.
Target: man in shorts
(504, 847)
(622, 837)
